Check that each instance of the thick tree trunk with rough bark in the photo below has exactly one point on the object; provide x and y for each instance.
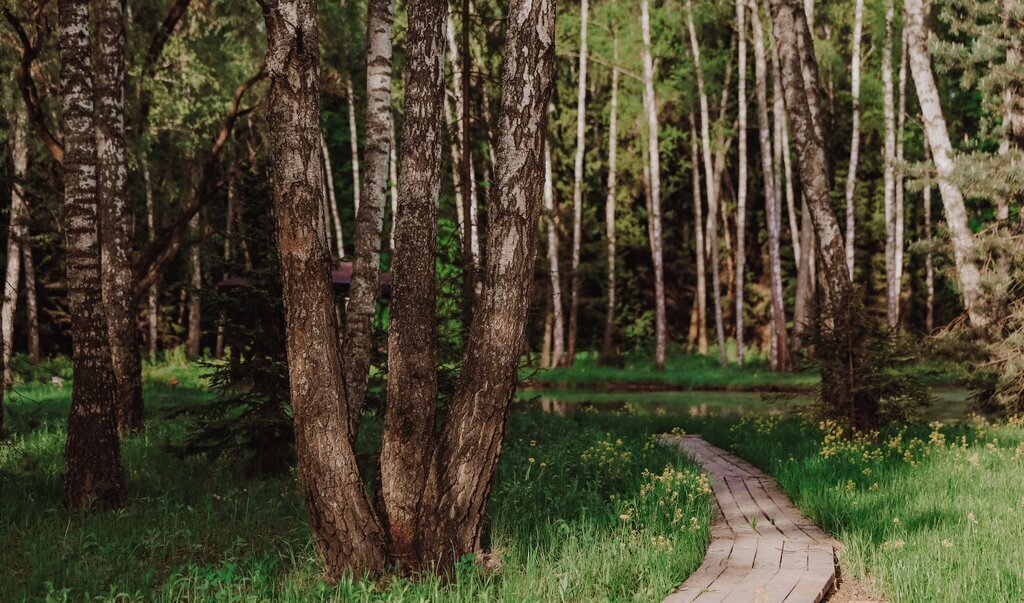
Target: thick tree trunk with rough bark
(554, 273)
(701, 301)
(651, 103)
(851, 174)
(709, 187)
(92, 458)
(968, 274)
(889, 158)
(577, 184)
(463, 467)
(363, 293)
(741, 193)
(773, 205)
(607, 343)
(115, 214)
(408, 440)
(344, 525)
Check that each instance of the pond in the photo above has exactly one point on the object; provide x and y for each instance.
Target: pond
(950, 404)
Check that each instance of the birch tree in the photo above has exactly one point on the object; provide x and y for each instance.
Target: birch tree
(701, 301)
(577, 182)
(968, 274)
(741, 194)
(709, 187)
(651, 106)
(851, 174)
(607, 343)
(889, 158)
(92, 457)
(558, 324)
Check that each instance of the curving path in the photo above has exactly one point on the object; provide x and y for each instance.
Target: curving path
(762, 548)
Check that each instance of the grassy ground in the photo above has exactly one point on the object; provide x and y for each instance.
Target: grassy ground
(585, 507)
(684, 372)
(925, 513)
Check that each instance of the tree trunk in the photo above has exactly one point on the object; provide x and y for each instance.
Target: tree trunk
(463, 466)
(229, 233)
(363, 293)
(968, 274)
(152, 292)
(773, 206)
(898, 196)
(709, 187)
(195, 303)
(92, 457)
(698, 225)
(558, 347)
(608, 344)
(15, 240)
(651, 103)
(889, 158)
(851, 175)
(393, 184)
(344, 526)
(577, 184)
(741, 194)
(408, 439)
(116, 221)
(353, 135)
(332, 200)
(31, 306)
(929, 267)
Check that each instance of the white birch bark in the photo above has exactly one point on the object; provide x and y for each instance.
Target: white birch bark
(332, 200)
(655, 179)
(698, 226)
(353, 134)
(889, 158)
(607, 347)
(851, 175)
(741, 193)
(15, 239)
(577, 188)
(558, 348)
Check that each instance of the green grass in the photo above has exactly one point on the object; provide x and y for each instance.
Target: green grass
(925, 513)
(681, 372)
(584, 508)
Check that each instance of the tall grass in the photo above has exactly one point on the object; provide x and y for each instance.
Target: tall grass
(585, 507)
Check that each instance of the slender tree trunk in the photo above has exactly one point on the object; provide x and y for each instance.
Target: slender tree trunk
(15, 241)
(741, 194)
(353, 135)
(889, 158)
(116, 223)
(898, 196)
(393, 172)
(698, 224)
(805, 277)
(229, 233)
(851, 174)
(195, 303)
(408, 440)
(929, 267)
(709, 177)
(92, 457)
(152, 292)
(332, 200)
(363, 293)
(795, 226)
(660, 320)
(558, 348)
(31, 306)
(470, 445)
(608, 345)
(577, 186)
(344, 525)
(773, 206)
(968, 274)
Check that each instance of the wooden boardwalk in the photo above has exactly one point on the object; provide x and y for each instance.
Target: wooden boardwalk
(762, 550)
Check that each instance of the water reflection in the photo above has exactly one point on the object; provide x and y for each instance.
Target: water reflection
(950, 405)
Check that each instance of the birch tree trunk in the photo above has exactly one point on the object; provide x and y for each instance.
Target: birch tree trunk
(698, 225)
(195, 303)
(363, 292)
(851, 174)
(558, 325)
(607, 344)
(773, 206)
(115, 215)
(709, 187)
(741, 193)
(229, 234)
(31, 306)
(655, 196)
(968, 274)
(93, 474)
(898, 196)
(345, 528)
(353, 135)
(463, 467)
(152, 292)
(15, 240)
(929, 267)
(577, 187)
(332, 200)
(393, 171)
(889, 158)
(408, 439)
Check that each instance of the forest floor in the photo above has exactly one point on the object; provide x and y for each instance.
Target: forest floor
(584, 508)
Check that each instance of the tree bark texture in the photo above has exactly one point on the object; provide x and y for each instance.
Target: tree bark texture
(851, 174)
(608, 343)
(889, 159)
(16, 240)
(93, 474)
(741, 193)
(577, 183)
(701, 301)
(344, 526)
(554, 272)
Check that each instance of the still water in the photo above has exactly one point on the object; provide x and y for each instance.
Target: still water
(949, 404)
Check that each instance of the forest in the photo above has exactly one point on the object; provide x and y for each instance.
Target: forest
(431, 300)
